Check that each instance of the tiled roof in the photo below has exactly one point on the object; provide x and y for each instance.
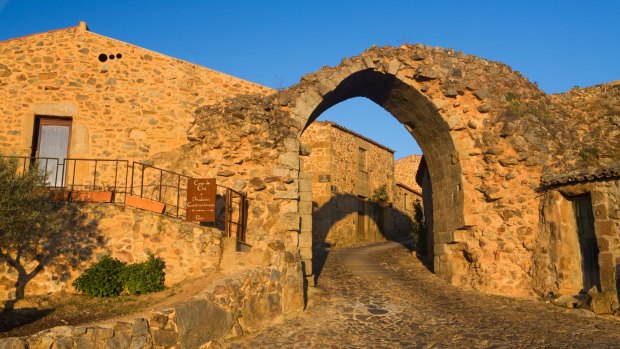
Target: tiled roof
(408, 188)
(342, 128)
(583, 175)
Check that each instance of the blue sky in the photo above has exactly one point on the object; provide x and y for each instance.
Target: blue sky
(558, 44)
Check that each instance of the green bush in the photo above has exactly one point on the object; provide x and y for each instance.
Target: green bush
(380, 196)
(145, 277)
(111, 277)
(102, 279)
(419, 228)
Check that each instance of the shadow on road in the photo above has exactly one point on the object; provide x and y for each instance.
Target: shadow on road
(393, 225)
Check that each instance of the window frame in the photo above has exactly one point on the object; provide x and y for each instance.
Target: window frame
(362, 159)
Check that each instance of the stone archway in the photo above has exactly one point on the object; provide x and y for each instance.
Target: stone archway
(451, 103)
(421, 118)
(480, 125)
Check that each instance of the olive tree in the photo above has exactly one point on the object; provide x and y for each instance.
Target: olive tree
(34, 229)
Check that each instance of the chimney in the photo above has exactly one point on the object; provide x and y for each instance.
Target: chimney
(82, 26)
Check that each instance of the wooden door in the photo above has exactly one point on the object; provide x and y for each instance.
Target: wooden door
(587, 242)
(361, 219)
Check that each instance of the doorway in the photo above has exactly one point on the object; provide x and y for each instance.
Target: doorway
(51, 142)
(361, 219)
(587, 242)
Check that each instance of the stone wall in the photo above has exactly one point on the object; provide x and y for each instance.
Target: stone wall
(405, 170)
(488, 136)
(131, 107)
(129, 234)
(581, 129)
(338, 183)
(238, 304)
(402, 210)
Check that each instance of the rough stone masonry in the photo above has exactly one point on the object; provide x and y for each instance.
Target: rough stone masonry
(488, 136)
(494, 143)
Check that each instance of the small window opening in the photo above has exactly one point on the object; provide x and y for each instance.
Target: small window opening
(362, 159)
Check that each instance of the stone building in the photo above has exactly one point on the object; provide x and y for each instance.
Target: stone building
(407, 192)
(402, 211)
(405, 170)
(491, 138)
(74, 93)
(71, 93)
(581, 209)
(354, 195)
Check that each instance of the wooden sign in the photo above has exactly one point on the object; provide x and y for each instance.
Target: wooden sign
(325, 178)
(201, 194)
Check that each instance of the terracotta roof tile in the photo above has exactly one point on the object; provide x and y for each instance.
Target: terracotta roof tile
(582, 175)
(342, 128)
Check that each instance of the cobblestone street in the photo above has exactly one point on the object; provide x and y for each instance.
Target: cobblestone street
(379, 296)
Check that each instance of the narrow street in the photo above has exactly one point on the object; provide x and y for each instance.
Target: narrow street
(379, 296)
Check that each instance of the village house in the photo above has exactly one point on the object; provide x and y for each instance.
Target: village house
(99, 114)
(355, 195)
(524, 198)
(74, 93)
(409, 193)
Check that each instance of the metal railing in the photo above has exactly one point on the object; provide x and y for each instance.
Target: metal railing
(141, 180)
(158, 184)
(52, 167)
(170, 188)
(110, 175)
(235, 214)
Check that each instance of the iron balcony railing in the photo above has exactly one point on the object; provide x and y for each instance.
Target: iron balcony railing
(160, 185)
(96, 175)
(73, 176)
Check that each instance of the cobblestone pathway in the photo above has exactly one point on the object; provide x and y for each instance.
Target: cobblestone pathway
(379, 296)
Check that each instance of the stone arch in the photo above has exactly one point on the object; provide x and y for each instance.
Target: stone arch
(480, 124)
(421, 115)
(422, 119)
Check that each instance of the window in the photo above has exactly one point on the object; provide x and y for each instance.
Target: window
(362, 160)
(406, 203)
(52, 141)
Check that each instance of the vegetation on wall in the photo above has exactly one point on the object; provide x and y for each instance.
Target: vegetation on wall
(102, 279)
(34, 230)
(380, 196)
(145, 277)
(419, 228)
(111, 277)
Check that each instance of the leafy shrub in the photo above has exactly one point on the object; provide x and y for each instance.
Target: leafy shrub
(588, 153)
(380, 196)
(111, 277)
(145, 277)
(419, 229)
(102, 279)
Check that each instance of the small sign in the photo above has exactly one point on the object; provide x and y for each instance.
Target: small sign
(325, 178)
(334, 189)
(201, 194)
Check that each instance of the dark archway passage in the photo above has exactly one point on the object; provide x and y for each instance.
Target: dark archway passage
(421, 118)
